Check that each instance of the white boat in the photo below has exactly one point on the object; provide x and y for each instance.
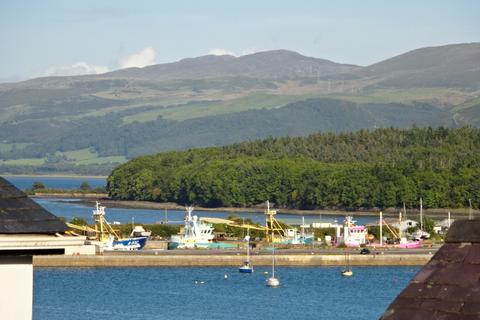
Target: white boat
(272, 281)
(347, 272)
(247, 266)
(196, 233)
(353, 235)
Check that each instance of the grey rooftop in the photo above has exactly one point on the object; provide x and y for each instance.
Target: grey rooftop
(21, 215)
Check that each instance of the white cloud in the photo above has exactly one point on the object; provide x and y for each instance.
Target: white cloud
(248, 51)
(75, 69)
(144, 57)
(220, 52)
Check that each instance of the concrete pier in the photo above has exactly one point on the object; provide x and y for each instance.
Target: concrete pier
(188, 260)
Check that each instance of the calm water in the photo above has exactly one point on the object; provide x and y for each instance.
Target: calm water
(171, 293)
(25, 182)
(69, 208)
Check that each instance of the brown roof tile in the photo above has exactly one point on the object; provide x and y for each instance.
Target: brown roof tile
(448, 287)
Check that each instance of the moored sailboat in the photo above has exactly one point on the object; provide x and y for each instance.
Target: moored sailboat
(347, 272)
(272, 281)
(247, 266)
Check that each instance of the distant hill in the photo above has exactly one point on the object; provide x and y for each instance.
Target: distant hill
(451, 66)
(102, 120)
(275, 64)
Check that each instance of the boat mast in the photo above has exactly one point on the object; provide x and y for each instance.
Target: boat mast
(421, 214)
(273, 256)
(400, 225)
(248, 245)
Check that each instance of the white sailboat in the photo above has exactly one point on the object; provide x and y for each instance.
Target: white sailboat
(347, 272)
(247, 266)
(272, 281)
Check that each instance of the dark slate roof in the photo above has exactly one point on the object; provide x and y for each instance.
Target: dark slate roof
(448, 287)
(20, 214)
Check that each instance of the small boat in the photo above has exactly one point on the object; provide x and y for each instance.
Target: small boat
(272, 281)
(347, 272)
(247, 266)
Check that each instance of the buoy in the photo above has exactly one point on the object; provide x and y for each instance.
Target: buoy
(225, 276)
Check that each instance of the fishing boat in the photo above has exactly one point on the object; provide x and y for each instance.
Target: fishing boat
(195, 234)
(247, 266)
(293, 236)
(347, 271)
(108, 238)
(353, 235)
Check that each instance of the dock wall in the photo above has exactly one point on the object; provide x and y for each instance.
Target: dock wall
(228, 260)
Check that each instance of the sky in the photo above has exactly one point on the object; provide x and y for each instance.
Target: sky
(41, 38)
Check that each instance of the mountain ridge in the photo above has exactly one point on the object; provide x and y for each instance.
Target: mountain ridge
(45, 119)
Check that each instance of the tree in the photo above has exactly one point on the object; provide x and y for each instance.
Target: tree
(37, 185)
(78, 221)
(85, 186)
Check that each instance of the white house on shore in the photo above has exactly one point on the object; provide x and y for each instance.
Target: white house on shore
(26, 229)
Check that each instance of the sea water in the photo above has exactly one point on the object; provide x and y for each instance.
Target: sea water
(178, 293)
(70, 208)
(69, 183)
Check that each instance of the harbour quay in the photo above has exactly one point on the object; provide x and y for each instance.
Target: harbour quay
(190, 258)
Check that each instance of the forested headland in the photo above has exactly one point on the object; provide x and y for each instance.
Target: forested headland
(364, 169)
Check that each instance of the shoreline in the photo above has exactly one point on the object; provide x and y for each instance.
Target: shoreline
(89, 200)
(60, 175)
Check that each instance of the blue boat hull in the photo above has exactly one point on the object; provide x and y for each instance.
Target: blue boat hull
(130, 243)
(245, 270)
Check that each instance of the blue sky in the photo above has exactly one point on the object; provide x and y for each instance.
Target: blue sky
(72, 37)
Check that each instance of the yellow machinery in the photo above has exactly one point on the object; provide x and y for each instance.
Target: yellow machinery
(102, 231)
(274, 232)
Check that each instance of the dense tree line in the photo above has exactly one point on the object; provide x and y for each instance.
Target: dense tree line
(364, 169)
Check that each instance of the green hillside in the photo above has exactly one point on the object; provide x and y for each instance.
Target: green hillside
(451, 66)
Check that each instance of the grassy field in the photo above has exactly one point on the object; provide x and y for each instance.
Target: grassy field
(209, 108)
(77, 157)
(6, 147)
(24, 162)
(87, 156)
